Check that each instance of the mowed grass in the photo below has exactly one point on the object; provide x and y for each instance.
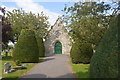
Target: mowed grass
(81, 70)
(18, 73)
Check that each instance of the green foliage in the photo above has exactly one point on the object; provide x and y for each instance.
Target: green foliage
(22, 20)
(41, 46)
(87, 21)
(18, 63)
(104, 63)
(74, 53)
(26, 49)
(81, 53)
(5, 30)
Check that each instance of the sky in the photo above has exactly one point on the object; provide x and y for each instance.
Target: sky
(51, 9)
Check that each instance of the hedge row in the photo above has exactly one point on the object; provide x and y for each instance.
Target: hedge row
(41, 46)
(27, 49)
(81, 53)
(104, 63)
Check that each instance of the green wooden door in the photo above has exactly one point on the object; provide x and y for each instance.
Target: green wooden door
(58, 48)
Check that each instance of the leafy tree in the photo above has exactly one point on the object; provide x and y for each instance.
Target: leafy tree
(87, 21)
(22, 20)
(6, 30)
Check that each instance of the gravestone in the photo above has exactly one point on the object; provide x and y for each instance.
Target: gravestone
(7, 68)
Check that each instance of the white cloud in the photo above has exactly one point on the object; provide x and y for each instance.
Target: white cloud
(61, 0)
(29, 5)
(7, 8)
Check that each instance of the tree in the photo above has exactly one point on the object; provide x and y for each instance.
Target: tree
(87, 21)
(6, 30)
(41, 46)
(22, 20)
(105, 61)
(81, 53)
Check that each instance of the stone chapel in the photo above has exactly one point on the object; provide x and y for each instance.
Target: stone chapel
(58, 40)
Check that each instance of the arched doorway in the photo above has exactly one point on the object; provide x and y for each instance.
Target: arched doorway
(58, 47)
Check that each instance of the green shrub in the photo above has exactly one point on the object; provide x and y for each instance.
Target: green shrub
(104, 63)
(81, 53)
(41, 46)
(26, 49)
(74, 53)
(18, 63)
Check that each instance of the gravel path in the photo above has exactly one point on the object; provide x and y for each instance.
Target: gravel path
(56, 66)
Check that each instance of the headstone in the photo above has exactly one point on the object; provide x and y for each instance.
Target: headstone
(24, 64)
(7, 68)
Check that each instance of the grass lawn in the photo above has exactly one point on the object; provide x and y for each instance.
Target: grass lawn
(81, 70)
(16, 74)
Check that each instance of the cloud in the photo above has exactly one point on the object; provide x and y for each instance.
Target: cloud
(7, 8)
(29, 5)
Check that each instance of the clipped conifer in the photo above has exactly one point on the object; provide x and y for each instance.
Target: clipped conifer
(41, 46)
(81, 53)
(104, 63)
(26, 48)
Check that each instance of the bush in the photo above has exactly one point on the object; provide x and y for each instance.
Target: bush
(18, 63)
(40, 45)
(104, 63)
(26, 49)
(81, 53)
(74, 53)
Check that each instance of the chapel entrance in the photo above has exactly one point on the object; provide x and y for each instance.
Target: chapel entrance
(58, 47)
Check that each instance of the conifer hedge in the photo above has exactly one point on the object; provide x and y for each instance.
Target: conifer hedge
(81, 53)
(41, 46)
(26, 49)
(104, 63)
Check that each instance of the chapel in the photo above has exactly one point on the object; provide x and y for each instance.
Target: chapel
(57, 41)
